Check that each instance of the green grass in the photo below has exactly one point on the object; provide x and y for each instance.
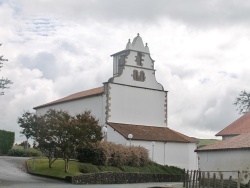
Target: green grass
(40, 166)
(205, 142)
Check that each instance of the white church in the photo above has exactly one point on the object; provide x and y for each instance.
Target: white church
(132, 108)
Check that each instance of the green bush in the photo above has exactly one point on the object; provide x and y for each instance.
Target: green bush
(111, 154)
(24, 153)
(93, 155)
(7, 139)
(88, 168)
(120, 155)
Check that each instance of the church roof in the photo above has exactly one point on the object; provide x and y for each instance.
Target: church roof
(136, 45)
(75, 96)
(150, 133)
(238, 142)
(241, 125)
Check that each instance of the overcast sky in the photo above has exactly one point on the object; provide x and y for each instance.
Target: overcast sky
(56, 48)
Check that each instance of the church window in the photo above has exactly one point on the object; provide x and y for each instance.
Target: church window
(142, 76)
(138, 77)
(138, 59)
(121, 63)
(135, 75)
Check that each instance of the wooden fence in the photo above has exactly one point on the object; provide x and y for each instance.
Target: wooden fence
(212, 179)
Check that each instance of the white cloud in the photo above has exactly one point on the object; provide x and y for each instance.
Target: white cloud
(56, 48)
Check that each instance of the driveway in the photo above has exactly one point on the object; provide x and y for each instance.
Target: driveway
(13, 174)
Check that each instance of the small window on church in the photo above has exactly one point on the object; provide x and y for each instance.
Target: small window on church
(135, 75)
(121, 63)
(138, 77)
(142, 76)
(139, 59)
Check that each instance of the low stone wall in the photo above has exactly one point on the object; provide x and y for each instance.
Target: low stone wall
(120, 178)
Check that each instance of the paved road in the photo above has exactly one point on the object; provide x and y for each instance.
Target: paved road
(13, 174)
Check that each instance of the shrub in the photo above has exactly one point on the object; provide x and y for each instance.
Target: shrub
(24, 153)
(92, 154)
(88, 168)
(120, 155)
(6, 141)
(107, 153)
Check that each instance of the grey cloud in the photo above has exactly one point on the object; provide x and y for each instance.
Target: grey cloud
(195, 12)
(44, 61)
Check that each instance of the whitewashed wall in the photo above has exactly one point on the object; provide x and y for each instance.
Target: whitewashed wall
(148, 67)
(95, 104)
(138, 106)
(181, 155)
(226, 160)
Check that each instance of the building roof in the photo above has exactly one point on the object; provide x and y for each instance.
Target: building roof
(241, 141)
(151, 133)
(241, 125)
(75, 96)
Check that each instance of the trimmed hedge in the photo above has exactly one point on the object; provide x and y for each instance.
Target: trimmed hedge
(93, 155)
(111, 154)
(7, 139)
(24, 153)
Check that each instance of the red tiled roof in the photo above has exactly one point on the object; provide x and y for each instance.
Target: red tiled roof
(238, 142)
(76, 96)
(150, 133)
(241, 125)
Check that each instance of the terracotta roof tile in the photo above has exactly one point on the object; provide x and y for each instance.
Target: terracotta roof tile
(76, 96)
(238, 142)
(241, 125)
(150, 133)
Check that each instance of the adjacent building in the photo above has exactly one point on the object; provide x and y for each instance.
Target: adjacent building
(232, 153)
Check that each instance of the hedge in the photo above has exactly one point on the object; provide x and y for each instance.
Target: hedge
(111, 154)
(24, 153)
(7, 139)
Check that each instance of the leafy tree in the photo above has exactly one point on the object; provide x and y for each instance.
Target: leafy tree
(4, 82)
(36, 128)
(75, 132)
(45, 136)
(28, 123)
(60, 134)
(243, 102)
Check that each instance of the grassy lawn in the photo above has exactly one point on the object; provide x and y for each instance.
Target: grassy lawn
(205, 142)
(40, 166)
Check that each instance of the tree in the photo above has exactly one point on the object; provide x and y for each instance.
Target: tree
(74, 132)
(60, 134)
(36, 128)
(243, 101)
(28, 124)
(4, 82)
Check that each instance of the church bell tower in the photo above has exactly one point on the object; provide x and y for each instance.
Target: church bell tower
(133, 94)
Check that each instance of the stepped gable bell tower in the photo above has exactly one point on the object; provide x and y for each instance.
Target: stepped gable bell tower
(133, 96)
(134, 66)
